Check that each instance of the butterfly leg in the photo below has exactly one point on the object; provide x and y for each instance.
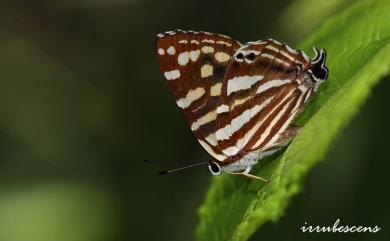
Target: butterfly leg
(246, 174)
(248, 169)
(253, 177)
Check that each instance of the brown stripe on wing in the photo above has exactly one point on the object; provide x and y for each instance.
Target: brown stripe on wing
(243, 119)
(241, 105)
(260, 122)
(279, 131)
(272, 126)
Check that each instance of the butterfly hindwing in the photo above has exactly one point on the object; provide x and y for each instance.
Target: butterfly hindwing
(194, 65)
(265, 85)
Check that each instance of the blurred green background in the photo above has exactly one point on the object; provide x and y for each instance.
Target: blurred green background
(82, 103)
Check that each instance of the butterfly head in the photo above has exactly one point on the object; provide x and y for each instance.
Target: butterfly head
(215, 168)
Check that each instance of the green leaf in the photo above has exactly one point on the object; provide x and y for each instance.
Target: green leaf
(357, 42)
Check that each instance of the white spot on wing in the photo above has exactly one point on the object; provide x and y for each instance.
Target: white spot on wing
(222, 57)
(258, 42)
(210, 116)
(242, 82)
(207, 49)
(171, 32)
(194, 41)
(191, 96)
(285, 54)
(224, 43)
(171, 50)
(238, 101)
(208, 41)
(183, 41)
(272, 48)
(275, 42)
(222, 109)
(209, 150)
(183, 58)
(194, 55)
(231, 151)
(282, 62)
(216, 89)
(161, 51)
(206, 71)
(271, 84)
(268, 56)
(171, 75)
(211, 139)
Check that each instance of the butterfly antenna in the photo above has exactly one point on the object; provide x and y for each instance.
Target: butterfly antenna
(182, 168)
(165, 161)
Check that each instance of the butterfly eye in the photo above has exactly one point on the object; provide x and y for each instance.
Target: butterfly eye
(214, 168)
(250, 56)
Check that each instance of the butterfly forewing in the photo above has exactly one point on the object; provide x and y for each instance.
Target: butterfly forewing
(263, 89)
(194, 65)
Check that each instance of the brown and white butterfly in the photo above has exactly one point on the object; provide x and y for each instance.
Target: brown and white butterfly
(239, 100)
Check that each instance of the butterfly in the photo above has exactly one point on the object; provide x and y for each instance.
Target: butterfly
(238, 99)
